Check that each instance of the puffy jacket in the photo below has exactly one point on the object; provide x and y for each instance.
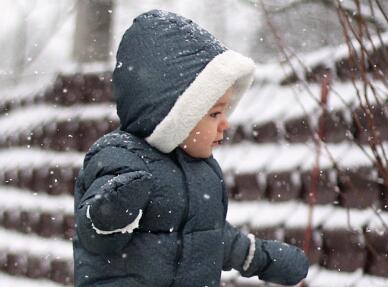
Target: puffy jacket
(181, 239)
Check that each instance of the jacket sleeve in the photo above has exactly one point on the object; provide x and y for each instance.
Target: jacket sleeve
(113, 204)
(236, 249)
(270, 260)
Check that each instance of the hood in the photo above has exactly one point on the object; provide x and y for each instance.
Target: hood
(169, 73)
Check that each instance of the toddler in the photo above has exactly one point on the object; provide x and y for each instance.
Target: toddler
(150, 199)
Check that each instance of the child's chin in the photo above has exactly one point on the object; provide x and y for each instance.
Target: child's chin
(209, 154)
(199, 154)
(205, 154)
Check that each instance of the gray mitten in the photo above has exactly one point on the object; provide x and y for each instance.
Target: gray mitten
(277, 262)
(117, 202)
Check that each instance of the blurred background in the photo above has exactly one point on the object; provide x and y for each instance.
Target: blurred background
(305, 160)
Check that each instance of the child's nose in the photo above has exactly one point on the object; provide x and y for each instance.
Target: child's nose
(223, 125)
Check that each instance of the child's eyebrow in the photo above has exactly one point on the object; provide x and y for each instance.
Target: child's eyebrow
(219, 105)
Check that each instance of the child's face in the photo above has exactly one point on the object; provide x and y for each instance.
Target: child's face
(209, 130)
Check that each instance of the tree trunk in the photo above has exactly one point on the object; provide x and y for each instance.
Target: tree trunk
(92, 39)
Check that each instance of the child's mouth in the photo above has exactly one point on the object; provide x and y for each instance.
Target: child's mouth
(217, 143)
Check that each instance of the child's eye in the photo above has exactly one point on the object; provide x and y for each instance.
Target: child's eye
(214, 115)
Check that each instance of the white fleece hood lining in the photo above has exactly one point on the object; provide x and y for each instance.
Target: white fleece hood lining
(226, 69)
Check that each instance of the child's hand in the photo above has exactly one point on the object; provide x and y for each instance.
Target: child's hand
(119, 201)
(278, 262)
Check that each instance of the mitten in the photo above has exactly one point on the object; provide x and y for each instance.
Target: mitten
(110, 210)
(119, 202)
(275, 262)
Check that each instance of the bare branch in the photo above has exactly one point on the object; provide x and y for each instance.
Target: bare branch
(348, 6)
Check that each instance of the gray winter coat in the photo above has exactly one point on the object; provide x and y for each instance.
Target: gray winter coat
(147, 213)
(182, 238)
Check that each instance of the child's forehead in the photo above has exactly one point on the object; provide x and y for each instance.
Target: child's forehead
(225, 99)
